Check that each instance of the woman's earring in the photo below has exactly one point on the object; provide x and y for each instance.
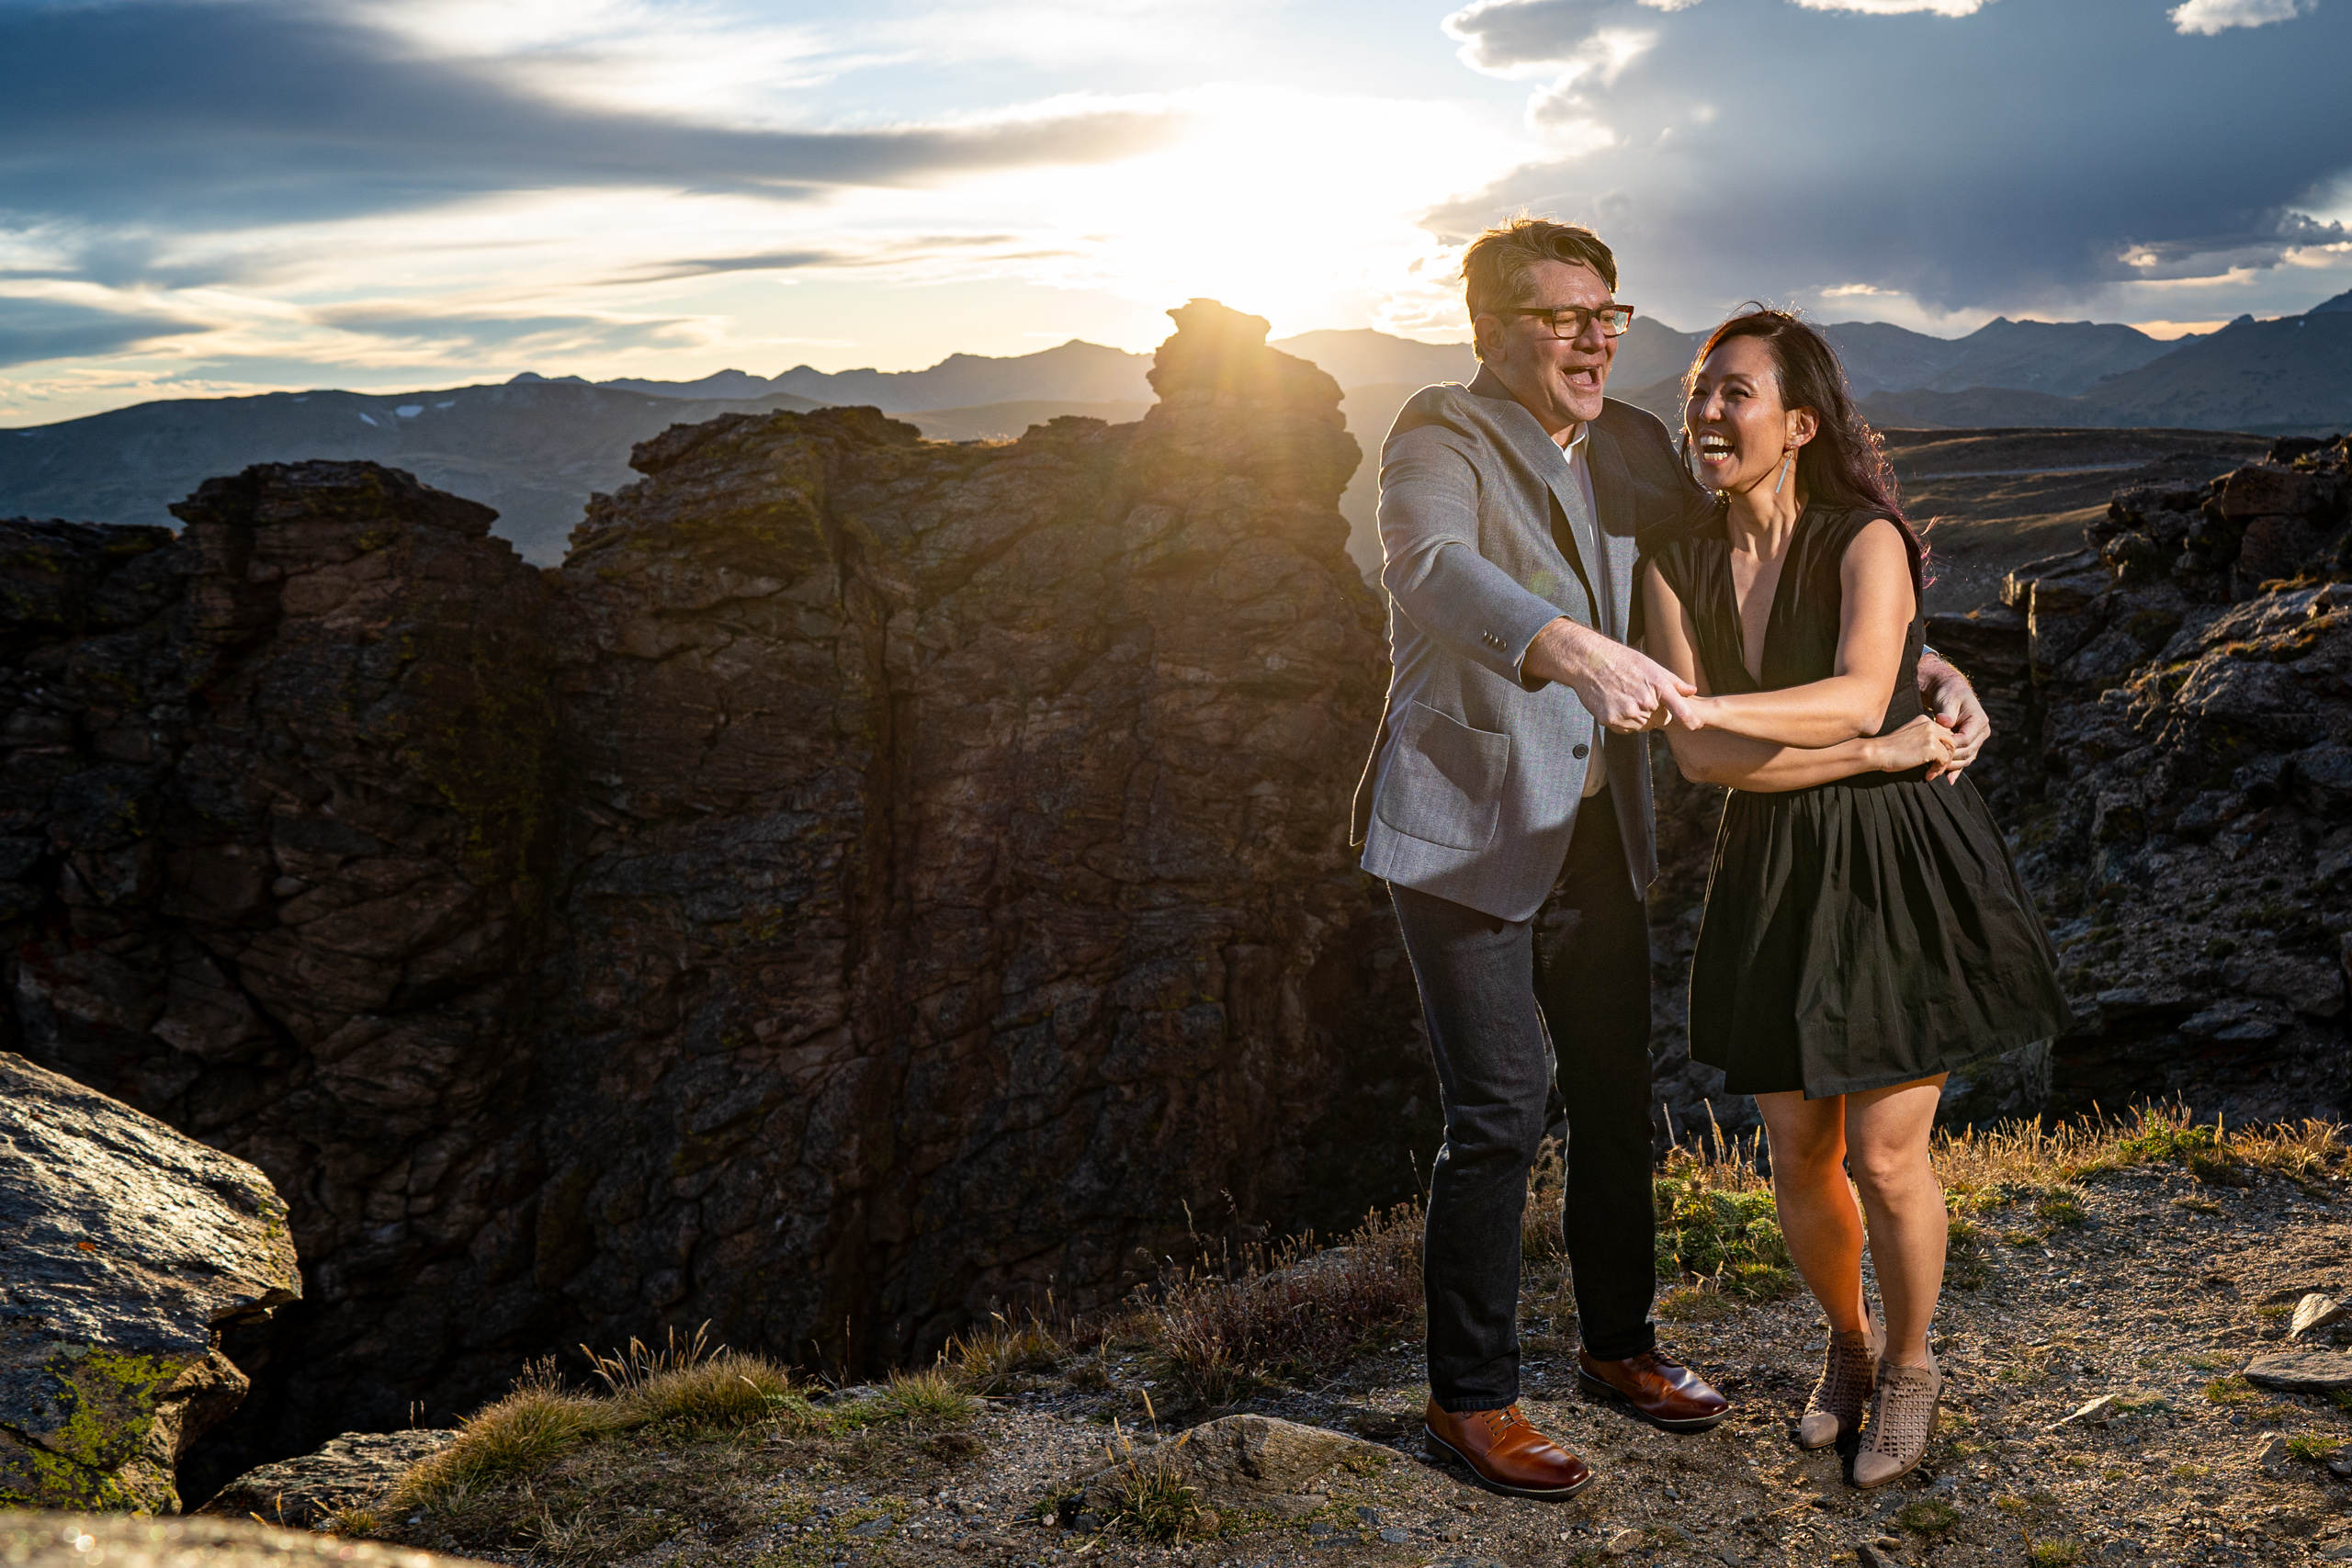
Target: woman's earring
(1787, 463)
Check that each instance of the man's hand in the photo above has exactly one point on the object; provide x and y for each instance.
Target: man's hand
(1623, 689)
(1953, 704)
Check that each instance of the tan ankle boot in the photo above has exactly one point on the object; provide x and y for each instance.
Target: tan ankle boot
(1835, 1410)
(1903, 1414)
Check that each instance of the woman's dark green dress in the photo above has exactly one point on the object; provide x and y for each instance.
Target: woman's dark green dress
(1863, 933)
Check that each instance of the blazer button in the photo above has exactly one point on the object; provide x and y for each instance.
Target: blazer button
(1579, 750)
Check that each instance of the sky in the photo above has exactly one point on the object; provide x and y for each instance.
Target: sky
(206, 198)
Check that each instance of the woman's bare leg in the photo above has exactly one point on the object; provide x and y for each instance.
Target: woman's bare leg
(1886, 1134)
(1817, 1213)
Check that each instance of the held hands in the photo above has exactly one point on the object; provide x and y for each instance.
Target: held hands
(1953, 703)
(1625, 690)
(1927, 741)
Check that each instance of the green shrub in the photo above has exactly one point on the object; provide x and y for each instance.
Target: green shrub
(1929, 1516)
(1717, 1221)
(2231, 1391)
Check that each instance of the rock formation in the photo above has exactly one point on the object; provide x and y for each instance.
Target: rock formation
(871, 879)
(125, 1249)
(354, 1471)
(2194, 666)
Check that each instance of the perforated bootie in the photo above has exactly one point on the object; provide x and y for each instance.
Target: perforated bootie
(1903, 1414)
(1835, 1409)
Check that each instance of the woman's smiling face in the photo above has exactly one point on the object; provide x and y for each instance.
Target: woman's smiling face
(1737, 427)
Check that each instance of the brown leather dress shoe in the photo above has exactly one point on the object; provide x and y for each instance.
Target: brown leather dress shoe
(1508, 1454)
(1659, 1389)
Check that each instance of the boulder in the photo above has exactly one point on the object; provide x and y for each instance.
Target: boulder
(2272, 547)
(125, 1249)
(2323, 779)
(2301, 1372)
(2316, 1312)
(2261, 489)
(1239, 1461)
(354, 1470)
(84, 1541)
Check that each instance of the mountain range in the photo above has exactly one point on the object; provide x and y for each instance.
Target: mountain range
(535, 447)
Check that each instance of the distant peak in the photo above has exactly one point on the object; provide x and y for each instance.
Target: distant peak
(535, 376)
(2339, 306)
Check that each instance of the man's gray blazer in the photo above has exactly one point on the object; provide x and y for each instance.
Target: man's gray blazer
(1477, 776)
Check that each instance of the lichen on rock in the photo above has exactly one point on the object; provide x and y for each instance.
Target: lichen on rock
(125, 1249)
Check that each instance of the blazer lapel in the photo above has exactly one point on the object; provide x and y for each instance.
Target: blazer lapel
(1613, 499)
(1542, 455)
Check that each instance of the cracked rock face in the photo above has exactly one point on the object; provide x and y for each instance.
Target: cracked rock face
(2179, 817)
(125, 1249)
(872, 880)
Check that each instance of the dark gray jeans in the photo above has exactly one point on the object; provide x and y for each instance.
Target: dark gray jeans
(1489, 989)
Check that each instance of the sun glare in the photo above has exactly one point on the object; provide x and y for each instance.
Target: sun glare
(1302, 208)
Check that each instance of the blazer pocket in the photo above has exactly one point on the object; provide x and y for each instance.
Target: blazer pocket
(1445, 779)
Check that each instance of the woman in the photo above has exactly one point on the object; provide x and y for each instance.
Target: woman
(1865, 931)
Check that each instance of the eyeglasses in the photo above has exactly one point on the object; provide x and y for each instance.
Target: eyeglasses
(1569, 320)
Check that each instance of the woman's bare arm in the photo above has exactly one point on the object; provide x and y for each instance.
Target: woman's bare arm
(1740, 762)
(1875, 620)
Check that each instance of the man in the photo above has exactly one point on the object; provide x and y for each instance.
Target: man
(1507, 804)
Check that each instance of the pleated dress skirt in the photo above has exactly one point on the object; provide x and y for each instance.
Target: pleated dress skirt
(1865, 933)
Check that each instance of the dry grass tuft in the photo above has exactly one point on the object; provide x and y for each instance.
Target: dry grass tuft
(535, 1425)
(726, 1389)
(685, 1383)
(1542, 1238)
(1001, 1359)
(1288, 1312)
(1985, 1168)
(688, 1384)
(1151, 1500)
(357, 1523)
(927, 1401)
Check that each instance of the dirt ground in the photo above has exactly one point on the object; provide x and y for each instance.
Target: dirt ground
(2144, 1284)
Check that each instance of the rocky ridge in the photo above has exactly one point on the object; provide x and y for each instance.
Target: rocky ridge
(870, 881)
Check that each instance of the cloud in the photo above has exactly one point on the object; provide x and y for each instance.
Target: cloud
(1902, 7)
(145, 114)
(2210, 17)
(2263, 242)
(912, 248)
(1522, 38)
(1582, 45)
(2044, 157)
(36, 329)
(458, 334)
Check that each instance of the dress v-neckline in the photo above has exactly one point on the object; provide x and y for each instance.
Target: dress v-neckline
(1772, 609)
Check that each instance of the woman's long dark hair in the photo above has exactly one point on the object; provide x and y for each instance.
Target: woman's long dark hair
(1843, 466)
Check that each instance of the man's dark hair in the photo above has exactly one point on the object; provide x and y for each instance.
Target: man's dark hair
(1494, 267)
